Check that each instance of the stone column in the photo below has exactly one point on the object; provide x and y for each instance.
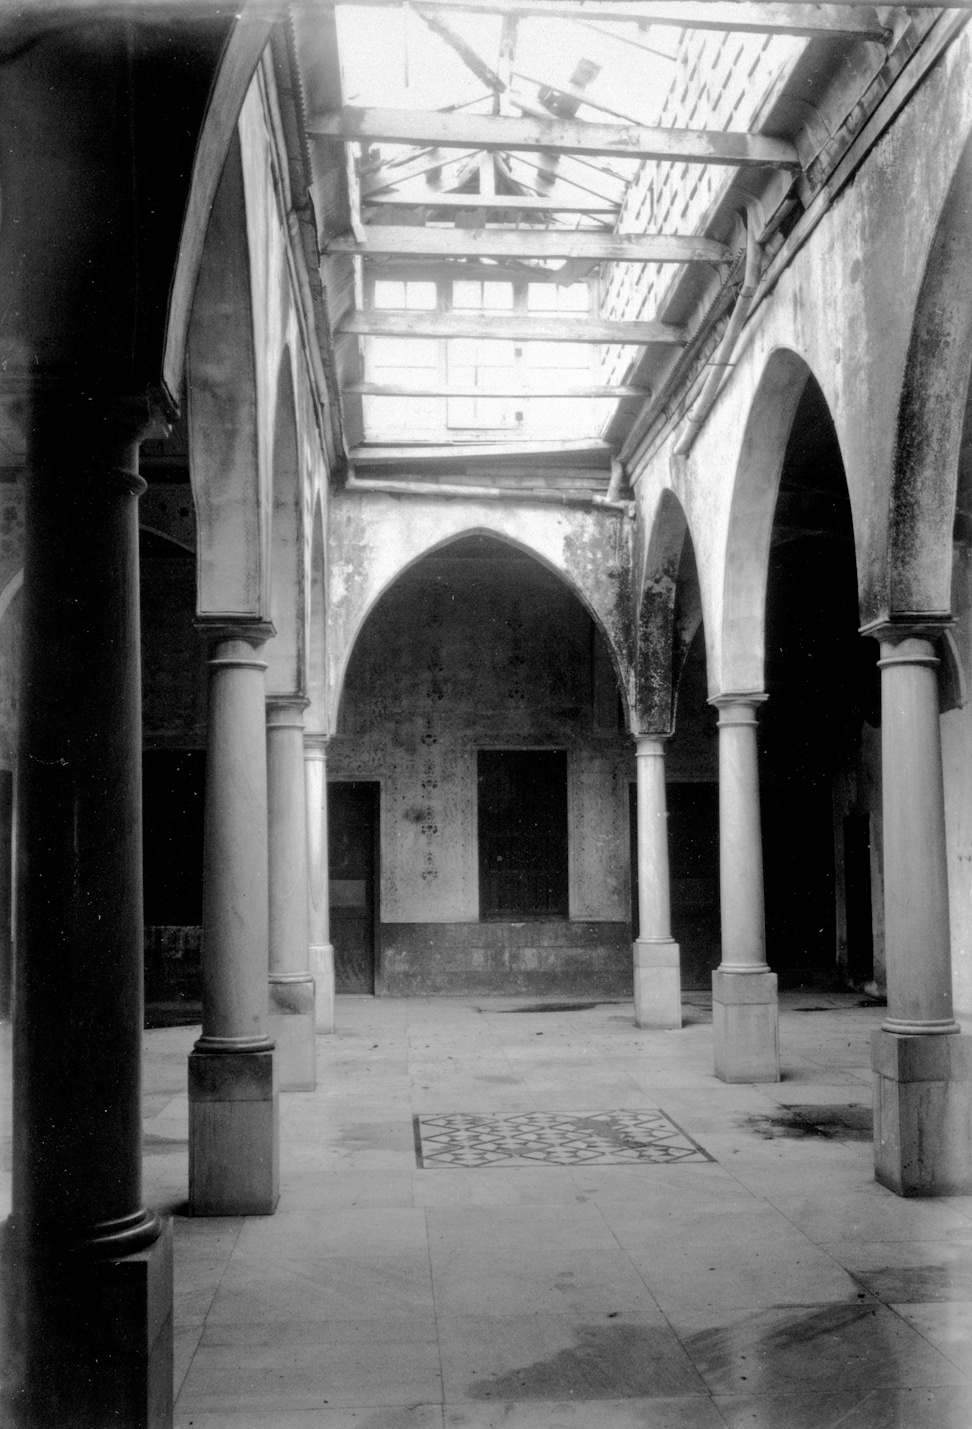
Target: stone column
(291, 984)
(87, 1271)
(657, 981)
(318, 900)
(922, 1065)
(744, 1005)
(233, 1101)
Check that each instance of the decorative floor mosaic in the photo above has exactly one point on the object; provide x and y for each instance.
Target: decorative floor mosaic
(608, 1138)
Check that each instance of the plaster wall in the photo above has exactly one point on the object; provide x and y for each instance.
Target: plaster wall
(457, 656)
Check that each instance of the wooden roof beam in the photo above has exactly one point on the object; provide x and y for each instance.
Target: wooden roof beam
(552, 243)
(384, 389)
(554, 136)
(465, 51)
(510, 327)
(841, 17)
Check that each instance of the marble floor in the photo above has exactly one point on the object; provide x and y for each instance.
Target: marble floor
(774, 1286)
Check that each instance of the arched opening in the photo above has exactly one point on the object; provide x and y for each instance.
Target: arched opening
(481, 727)
(691, 763)
(818, 737)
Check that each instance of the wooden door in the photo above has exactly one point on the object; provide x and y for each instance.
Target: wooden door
(352, 818)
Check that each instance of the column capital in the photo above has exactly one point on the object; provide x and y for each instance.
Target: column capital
(651, 746)
(286, 711)
(102, 427)
(895, 629)
(315, 743)
(221, 630)
(738, 707)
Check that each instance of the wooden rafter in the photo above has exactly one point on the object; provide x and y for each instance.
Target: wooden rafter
(465, 51)
(496, 242)
(510, 327)
(840, 17)
(563, 136)
(528, 203)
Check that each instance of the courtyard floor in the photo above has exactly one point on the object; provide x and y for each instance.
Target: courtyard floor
(525, 1260)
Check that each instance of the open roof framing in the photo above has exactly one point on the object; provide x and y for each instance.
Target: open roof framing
(843, 17)
(493, 187)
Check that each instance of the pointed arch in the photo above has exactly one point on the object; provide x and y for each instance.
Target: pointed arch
(669, 615)
(356, 584)
(754, 496)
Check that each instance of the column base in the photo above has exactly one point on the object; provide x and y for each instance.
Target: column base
(657, 984)
(745, 1024)
(923, 1113)
(291, 1026)
(88, 1342)
(234, 1135)
(322, 967)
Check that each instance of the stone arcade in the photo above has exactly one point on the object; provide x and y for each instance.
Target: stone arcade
(572, 507)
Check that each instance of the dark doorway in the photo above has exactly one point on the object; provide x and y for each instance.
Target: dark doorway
(522, 833)
(352, 815)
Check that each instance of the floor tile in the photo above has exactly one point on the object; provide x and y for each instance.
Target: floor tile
(560, 1357)
(825, 1348)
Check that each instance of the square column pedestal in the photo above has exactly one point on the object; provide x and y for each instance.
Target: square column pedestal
(657, 984)
(745, 1025)
(98, 1337)
(234, 1134)
(923, 1113)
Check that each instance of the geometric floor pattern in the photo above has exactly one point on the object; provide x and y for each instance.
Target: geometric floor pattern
(613, 1138)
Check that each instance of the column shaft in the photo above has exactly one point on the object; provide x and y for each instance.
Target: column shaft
(88, 1268)
(657, 983)
(745, 1014)
(291, 992)
(318, 899)
(922, 1078)
(233, 1126)
(918, 944)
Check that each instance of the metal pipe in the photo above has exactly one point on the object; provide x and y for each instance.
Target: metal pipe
(617, 474)
(723, 359)
(488, 493)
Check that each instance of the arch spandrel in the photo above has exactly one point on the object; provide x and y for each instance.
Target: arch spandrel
(755, 489)
(316, 631)
(224, 464)
(285, 653)
(932, 414)
(374, 539)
